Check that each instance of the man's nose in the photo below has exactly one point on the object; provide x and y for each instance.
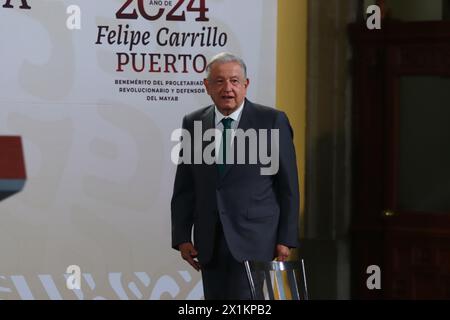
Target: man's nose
(227, 86)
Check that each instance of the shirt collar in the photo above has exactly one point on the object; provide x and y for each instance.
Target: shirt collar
(235, 115)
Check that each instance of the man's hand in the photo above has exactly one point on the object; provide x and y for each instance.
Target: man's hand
(282, 252)
(188, 253)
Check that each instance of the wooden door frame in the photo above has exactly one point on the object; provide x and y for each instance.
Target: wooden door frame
(381, 57)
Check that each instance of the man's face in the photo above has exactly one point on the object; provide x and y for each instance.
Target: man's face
(227, 86)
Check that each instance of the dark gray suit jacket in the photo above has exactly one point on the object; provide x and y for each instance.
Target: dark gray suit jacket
(256, 211)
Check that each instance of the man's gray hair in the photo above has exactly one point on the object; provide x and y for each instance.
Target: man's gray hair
(225, 57)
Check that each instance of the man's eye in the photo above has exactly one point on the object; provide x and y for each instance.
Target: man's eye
(219, 81)
(234, 81)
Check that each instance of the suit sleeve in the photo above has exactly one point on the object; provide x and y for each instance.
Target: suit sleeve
(183, 201)
(286, 181)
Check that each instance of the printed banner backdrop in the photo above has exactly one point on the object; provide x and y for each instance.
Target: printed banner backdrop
(96, 107)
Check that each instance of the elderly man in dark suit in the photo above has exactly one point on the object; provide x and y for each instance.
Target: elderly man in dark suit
(236, 211)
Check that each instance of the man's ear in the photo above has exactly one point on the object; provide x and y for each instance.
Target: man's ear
(206, 84)
(246, 83)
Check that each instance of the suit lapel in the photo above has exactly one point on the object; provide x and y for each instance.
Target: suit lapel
(208, 123)
(246, 122)
(208, 119)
